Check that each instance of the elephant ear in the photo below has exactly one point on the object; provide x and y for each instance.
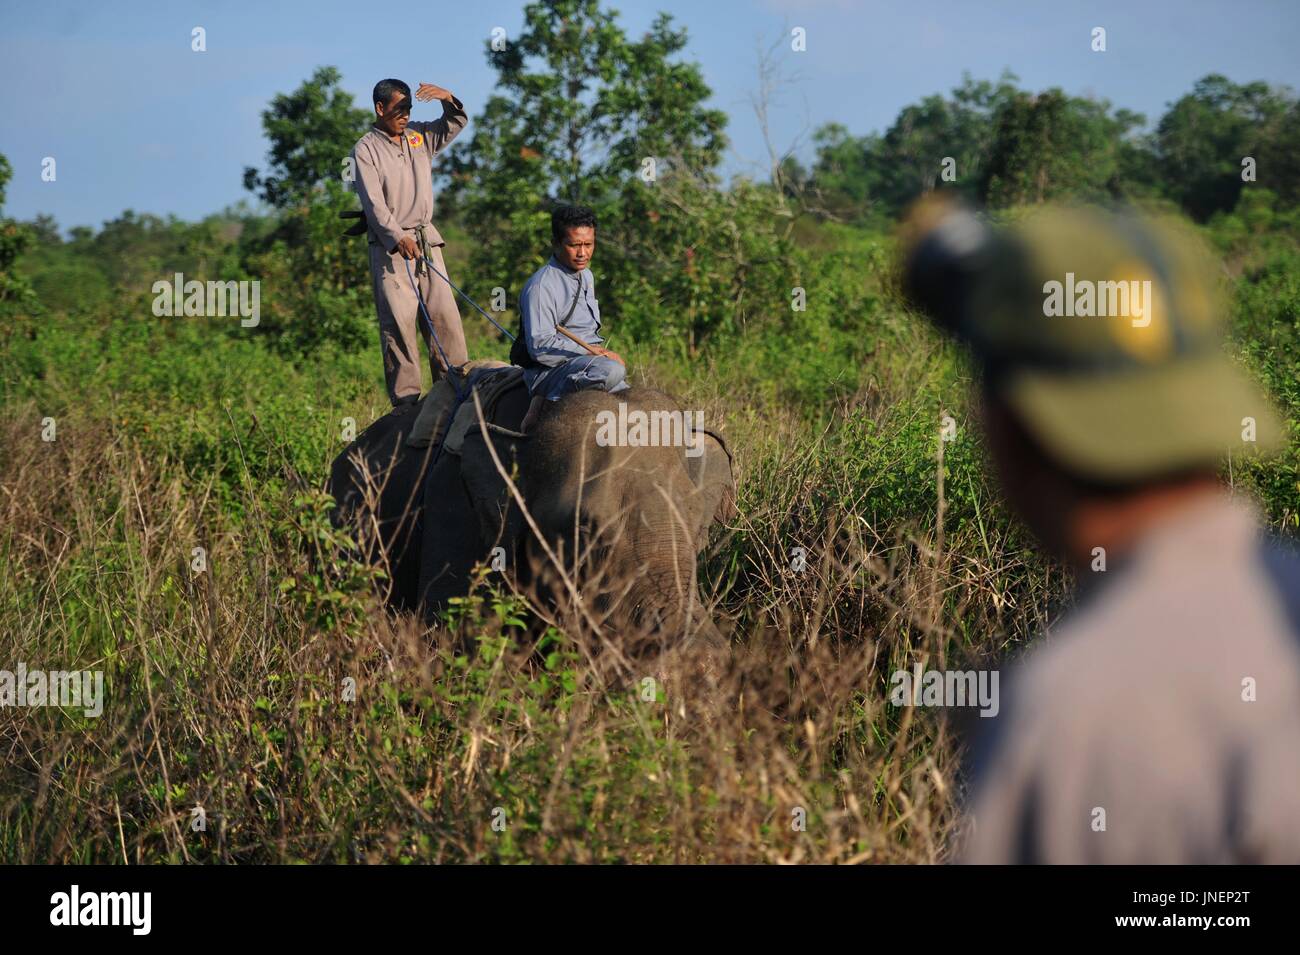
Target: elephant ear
(711, 473)
(498, 518)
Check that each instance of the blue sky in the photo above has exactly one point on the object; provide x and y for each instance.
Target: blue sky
(136, 120)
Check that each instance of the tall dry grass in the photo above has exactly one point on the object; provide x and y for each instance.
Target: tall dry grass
(230, 733)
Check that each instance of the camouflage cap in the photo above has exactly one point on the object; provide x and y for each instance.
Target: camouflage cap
(1102, 330)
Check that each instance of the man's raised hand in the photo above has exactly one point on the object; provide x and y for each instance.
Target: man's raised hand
(428, 91)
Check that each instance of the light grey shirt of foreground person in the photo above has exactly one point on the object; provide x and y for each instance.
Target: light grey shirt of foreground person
(1160, 723)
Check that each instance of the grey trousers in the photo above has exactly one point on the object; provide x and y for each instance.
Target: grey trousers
(577, 374)
(400, 318)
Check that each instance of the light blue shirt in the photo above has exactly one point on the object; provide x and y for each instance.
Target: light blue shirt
(545, 301)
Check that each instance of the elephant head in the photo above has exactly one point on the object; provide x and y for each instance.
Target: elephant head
(621, 523)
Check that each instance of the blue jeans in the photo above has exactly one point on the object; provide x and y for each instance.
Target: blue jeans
(577, 374)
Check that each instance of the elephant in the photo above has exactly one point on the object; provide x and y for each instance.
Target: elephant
(607, 530)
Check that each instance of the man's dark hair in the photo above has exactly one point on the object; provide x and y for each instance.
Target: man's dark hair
(385, 89)
(568, 217)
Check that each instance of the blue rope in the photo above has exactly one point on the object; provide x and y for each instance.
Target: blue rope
(466, 298)
(446, 363)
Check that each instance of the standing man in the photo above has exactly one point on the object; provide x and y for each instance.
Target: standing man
(395, 185)
(1157, 723)
(562, 294)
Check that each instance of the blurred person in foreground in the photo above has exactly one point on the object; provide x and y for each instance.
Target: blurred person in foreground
(1159, 721)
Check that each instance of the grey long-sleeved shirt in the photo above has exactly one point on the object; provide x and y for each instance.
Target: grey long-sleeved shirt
(393, 180)
(545, 301)
(1159, 724)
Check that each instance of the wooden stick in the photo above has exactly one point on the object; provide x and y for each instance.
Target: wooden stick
(574, 338)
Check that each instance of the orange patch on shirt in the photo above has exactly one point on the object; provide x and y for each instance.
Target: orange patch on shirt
(415, 139)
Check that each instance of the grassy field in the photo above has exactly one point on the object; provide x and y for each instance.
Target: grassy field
(230, 734)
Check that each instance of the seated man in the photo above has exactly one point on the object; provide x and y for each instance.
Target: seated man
(560, 298)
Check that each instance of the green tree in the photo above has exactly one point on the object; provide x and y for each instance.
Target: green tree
(914, 150)
(1203, 138)
(45, 230)
(1050, 146)
(583, 113)
(847, 176)
(874, 175)
(16, 296)
(315, 282)
(1278, 166)
(311, 131)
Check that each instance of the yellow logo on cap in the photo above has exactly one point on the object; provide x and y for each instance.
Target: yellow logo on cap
(1144, 332)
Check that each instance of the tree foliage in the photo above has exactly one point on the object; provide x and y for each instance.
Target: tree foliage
(1052, 146)
(1202, 139)
(1011, 146)
(585, 114)
(310, 132)
(875, 176)
(15, 291)
(318, 280)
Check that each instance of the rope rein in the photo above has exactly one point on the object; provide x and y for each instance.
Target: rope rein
(446, 362)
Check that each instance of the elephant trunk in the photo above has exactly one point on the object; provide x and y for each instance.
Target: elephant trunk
(664, 598)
